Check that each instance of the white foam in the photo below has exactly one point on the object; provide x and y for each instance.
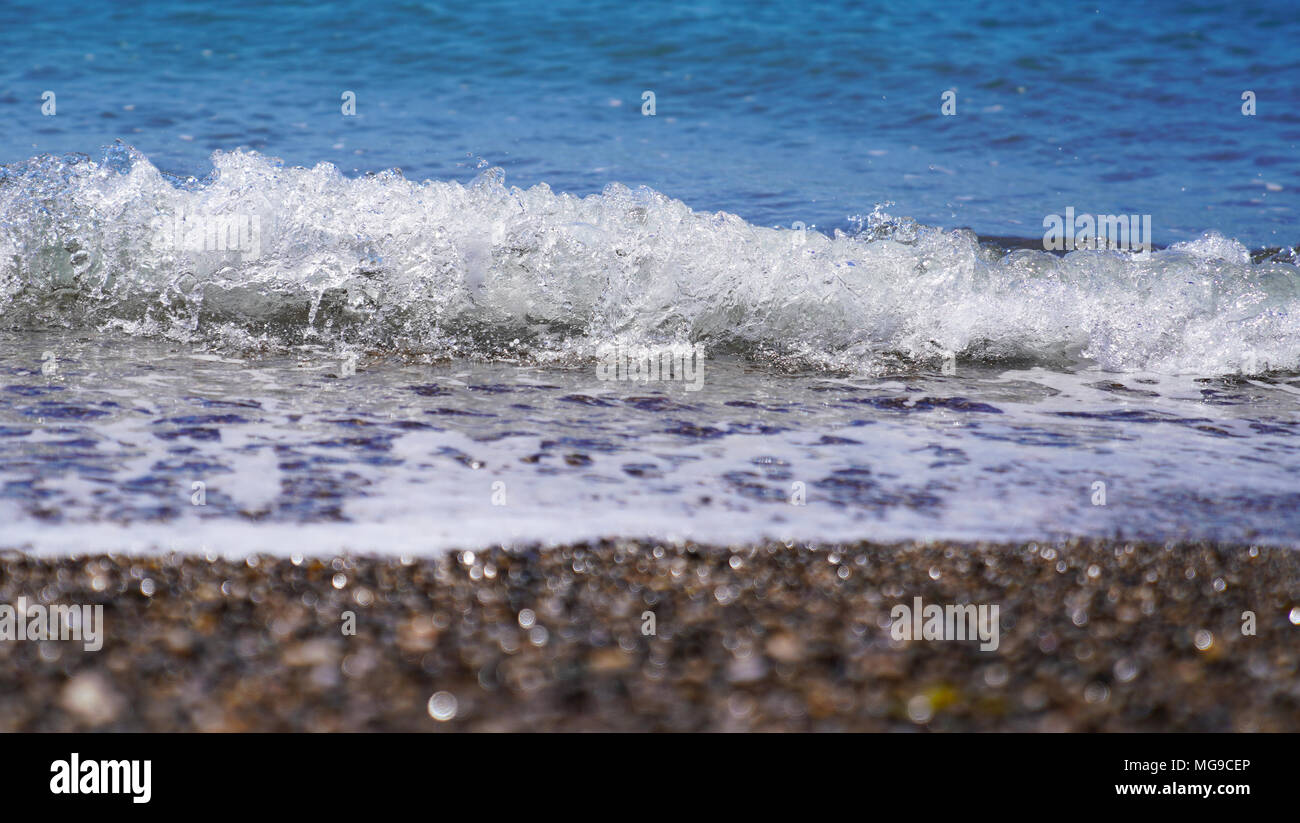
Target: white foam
(444, 268)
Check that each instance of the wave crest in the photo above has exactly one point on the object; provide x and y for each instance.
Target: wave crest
(485, 269)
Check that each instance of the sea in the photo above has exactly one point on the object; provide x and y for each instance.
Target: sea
(321, 277)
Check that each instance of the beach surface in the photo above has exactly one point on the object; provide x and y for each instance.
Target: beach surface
(1097, 635)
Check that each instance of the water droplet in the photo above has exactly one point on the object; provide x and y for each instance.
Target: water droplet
(1204, 640)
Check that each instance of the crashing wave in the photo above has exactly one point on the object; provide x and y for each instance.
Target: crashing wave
(259, 253)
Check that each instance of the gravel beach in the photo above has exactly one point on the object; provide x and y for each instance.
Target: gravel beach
(1095, 636)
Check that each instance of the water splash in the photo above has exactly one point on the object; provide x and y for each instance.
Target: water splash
(485, 269)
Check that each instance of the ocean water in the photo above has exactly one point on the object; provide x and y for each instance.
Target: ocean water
(233, 318)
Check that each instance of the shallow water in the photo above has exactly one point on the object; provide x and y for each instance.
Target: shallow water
(298, 455)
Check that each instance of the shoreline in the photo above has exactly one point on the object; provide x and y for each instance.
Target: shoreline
(1096, 635)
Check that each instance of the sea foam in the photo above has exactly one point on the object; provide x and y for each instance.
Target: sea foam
(485, 269)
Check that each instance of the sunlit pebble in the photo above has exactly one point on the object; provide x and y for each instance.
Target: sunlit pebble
(1094, 571)
(99, 583)
(996, 675)
(1204, 640)
(340, 580)
(364, 597)
(934, 572)
(1125, 670)
(1061, 567)
(296, 559)
(538, 636)
(740, 705)
(1096, 693)
(735, 562)
(1219, 585)
(1254, 551)
(467, 558)
(527, 618)
(476, 573)
(1034, 699)
(1080, 618)
(252, 560)
(843, 573)
(442, 706)
(919, 709)
(147, 587)
(356, 665)
(1294, 617)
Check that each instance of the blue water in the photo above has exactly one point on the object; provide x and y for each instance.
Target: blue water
(408, 362)
(776, 112)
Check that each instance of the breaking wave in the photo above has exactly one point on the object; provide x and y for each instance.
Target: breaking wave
(444, 269)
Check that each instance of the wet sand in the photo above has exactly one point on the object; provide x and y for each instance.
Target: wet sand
(1095, 636)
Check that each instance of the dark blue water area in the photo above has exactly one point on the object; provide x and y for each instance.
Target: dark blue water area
(778, 112)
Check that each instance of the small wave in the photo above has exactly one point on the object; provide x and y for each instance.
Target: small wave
(262, 255)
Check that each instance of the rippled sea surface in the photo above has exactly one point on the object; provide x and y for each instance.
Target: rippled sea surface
(774, 112)
(397, 348)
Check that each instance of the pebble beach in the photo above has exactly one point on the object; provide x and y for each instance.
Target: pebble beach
(1097, 635)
